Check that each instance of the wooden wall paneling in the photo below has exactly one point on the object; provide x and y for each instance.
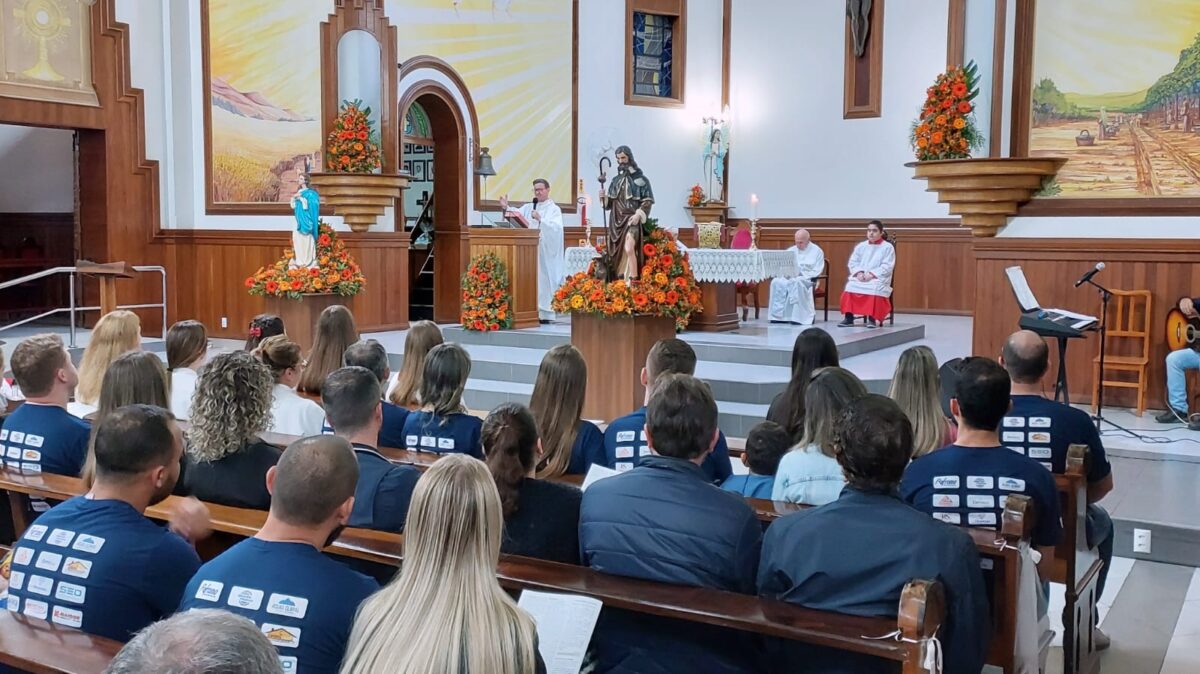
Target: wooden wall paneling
(54, 234)
(956, 32)
(1000, 20)
(862, 94)
(1167, 268)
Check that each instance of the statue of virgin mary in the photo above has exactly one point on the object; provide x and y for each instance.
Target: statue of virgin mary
(306, 204)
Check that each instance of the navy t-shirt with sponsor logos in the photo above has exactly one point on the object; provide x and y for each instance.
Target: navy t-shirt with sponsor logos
(99, 566)
(1044, 430)
(302, 601)
(968, 486)
(44, 438)
(453, 433)
(625, 446)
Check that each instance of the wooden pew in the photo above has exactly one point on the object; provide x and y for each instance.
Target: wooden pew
(921, 611)
(1077, 567)
(41, 647)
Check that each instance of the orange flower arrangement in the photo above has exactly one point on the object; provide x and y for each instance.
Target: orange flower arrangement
(486, 302)
(336, 272)
(666, 286)
(696, 196)
(946, 127)
(353, 146)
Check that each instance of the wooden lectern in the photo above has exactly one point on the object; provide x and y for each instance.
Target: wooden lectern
(615, 351)
(518, 249)
(107, 273)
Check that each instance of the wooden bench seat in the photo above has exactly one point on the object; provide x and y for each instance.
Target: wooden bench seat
(42, 647)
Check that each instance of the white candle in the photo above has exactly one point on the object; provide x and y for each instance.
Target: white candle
(753, 206)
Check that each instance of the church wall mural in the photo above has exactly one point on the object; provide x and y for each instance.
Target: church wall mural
(45, 51)
(1116, 89)
(263, 75)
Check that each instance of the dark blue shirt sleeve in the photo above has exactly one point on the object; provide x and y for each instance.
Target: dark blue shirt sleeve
(1099, 468)
(393, 497)
(967, 629)
(169, 572)
(588, 449)
(1048, 530)
(717, 466)
(79, 450)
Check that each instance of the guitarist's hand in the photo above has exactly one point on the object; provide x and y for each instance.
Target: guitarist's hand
(1188, 309)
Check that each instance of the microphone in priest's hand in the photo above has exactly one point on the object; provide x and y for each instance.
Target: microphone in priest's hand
(1088, 276)
(535, 203)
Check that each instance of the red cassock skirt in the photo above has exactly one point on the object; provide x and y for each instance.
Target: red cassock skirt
(866, 305)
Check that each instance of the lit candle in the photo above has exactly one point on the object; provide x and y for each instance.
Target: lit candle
(753, 206)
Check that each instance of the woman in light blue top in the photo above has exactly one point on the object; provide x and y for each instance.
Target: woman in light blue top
(809, 474)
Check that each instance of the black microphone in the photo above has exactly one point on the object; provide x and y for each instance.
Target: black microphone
(1088, 276)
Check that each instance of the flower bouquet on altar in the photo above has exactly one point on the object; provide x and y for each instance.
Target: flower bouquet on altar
(336, 272)
(946, 128)
(486, 301)
(666, 286)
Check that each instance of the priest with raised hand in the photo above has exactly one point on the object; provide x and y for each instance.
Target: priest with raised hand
(869, 289)
(544, 215)
(792, 298)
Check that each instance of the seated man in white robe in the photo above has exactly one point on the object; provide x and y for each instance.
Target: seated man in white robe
(869, 289)
(545, 215)
(792, 298)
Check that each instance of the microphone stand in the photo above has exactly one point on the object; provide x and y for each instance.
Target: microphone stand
(1098, 417)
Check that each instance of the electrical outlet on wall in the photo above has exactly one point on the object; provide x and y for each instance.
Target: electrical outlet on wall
(1141, 540)
(224, 321)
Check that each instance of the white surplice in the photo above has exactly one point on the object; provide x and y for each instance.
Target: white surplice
(792, 298)
(878, 259)
(551, 253)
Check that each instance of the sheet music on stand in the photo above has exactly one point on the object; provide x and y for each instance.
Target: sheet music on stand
(1029, 303)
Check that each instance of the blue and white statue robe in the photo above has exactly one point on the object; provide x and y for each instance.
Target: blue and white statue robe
(306, 204)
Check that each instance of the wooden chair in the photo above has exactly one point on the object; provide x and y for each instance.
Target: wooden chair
(821, 289)
(745, 291)
(1128, 324)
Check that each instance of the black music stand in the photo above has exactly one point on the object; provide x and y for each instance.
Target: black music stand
(1032, 315)
(1098, 417)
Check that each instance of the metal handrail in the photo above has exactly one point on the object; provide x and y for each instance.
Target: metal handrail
(72, 309)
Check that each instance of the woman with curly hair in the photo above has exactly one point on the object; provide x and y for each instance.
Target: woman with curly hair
(226, 461)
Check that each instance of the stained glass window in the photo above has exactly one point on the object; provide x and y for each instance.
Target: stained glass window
(653, 50)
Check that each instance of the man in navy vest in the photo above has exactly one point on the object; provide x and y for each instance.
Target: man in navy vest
(625, 439)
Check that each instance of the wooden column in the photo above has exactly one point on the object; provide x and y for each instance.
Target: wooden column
(615, 351)
(518, 249)
(862, 95)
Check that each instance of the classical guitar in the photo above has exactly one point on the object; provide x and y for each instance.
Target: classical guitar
(1182, 332)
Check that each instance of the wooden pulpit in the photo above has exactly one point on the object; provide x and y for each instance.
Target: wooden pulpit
(518, 249)
(107, 273)
(615, 351)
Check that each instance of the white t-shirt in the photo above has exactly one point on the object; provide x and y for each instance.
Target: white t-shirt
(183, 386)
(295, 415)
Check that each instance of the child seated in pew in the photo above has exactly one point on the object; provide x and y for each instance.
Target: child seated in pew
(810, 473)
(370, 354)
(856, 554)
(541, 517)
(765, 446)
(262, 327)
(442, 425)
(291, 413)
(302, 600)
(187, 351)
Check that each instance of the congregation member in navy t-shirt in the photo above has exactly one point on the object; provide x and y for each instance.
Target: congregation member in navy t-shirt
(766, 444)
(95, 562)
(370, 354)
(352, 406)
(303, 601)
(442, 424)
(1044, 429)
(856, 554)
(665, 521)
(41, 436)
(966, 483)
(625, 443)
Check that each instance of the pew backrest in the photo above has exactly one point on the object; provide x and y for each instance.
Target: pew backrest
(37, 646)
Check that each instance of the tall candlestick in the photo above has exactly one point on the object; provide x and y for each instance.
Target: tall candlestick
(753, 206)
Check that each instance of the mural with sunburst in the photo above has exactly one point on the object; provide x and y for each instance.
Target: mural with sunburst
(45, 51)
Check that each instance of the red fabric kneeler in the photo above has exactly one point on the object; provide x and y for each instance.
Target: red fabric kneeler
(866, 305)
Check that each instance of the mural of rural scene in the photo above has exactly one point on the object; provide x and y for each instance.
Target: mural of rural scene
(1117, 90)
(265, 89)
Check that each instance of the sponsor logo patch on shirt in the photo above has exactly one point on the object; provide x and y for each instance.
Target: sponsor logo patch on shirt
(287, 605)
(1013, 436)
(245, 597)
(67, 616)
(79, 568)
(1040, 453)
(945, 500)
(287, 664)
(35, 532)
(981, 519)
(951, 518)
(14, 603)
(980, 482)
(31, 455)
(40, 585)
(13, 452)
(1018, 450)
(209, 590)
(410, 440)
(48, 561)
(17, 436)
(1042, 438)
(1012, 484)
(1039, 422)
(626, 436)
(70, 592)
(34, 440)
(644, 450)
(625, 452)
(36, 609)
(980, 501)
(16, 580)
(428, 441)
(86, 543)
(445, 443)
(986, 564)
(60, 538)
(282, 635)
(946, 482)
(31, 468)
(623, 466)
(1014, 422)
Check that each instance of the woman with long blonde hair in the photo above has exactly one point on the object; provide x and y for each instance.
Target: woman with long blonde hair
(422, 337)
(116, 332)
(226, 460)
(335, 333)
(916, 390)
(571, 444)
(444, 613)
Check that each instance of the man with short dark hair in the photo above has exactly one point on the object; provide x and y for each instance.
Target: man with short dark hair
(203, 641)
(545, 216)
(625, 439)
(41, 435)
(1044, 429)
(353, 408)
(370, 354)
(95, 562)
(967, 482)
(855, 555)
(303, 601)
(664, 521)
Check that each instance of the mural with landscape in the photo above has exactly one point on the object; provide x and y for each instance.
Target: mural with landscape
(1117, 91)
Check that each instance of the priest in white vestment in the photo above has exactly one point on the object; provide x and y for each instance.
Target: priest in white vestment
(544, 215)
(869, 289)
(792, 298)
